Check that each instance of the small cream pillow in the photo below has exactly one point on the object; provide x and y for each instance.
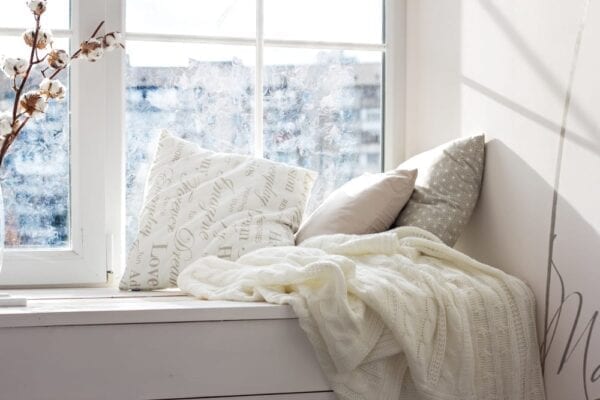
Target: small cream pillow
(200, 203)
(367, 204)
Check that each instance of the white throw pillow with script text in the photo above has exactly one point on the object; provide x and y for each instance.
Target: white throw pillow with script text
(198, 203)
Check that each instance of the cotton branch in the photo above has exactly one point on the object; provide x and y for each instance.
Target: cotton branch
(8, 140)
(92, 49)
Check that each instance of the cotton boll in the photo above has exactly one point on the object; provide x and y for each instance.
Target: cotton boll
(44, 38)
(5, 124)
(112, 40)
(33, 104)
(29, 37)
(58, 59)
(92, 50)
(38, 7)
(13, 67)
(52, 89)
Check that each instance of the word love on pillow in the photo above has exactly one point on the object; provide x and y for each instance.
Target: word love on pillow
(199, 203)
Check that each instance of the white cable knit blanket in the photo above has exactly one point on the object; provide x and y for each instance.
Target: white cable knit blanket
(377, 308)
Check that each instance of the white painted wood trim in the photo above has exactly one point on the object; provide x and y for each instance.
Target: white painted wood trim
(258, 83)
(90, 293)
(325, 45)
(158, 361)
(241, 41)
(116, 143)
(104, 343)
(176, 38)
(85, 261)
(132, 310)
(57, 33)
(395, 83)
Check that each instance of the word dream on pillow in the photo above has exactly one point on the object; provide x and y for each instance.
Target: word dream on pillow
(447, 188)
(367, 204)
(200, 203)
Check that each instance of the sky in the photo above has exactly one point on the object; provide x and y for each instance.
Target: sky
(356, 21)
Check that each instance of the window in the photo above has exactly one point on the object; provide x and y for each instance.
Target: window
(248, 76)
(55, 217)
(297, 81)
(36, 172)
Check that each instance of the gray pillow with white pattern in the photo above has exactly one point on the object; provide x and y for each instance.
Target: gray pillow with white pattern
(447, 188)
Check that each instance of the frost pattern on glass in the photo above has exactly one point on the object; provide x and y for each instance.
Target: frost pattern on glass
(210, 101)
(322, 111)
(35, 178)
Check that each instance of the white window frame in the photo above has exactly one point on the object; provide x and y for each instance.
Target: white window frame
(88, 259)
(97, 154)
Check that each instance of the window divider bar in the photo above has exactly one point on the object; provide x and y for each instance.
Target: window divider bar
(258, 85)
(324, 45)
(394, 102)
(59, 33)
(160, 37)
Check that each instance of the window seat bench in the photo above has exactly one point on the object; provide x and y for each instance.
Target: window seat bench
(100, 343)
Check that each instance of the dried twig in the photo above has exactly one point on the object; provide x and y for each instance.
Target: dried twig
(77, 53)
(17, 122)
(11, 137)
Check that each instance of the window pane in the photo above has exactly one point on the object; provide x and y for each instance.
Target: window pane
(323, 111)
(203, 93)
(192, 17)
(332, 20)
(35, 175)
(16, 14)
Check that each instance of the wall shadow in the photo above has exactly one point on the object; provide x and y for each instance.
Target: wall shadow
(528, 53)
(572, 136)
(510, 230)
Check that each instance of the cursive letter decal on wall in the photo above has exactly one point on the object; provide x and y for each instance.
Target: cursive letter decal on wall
(579, 333)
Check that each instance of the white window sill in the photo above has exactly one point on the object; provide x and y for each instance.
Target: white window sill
(100, 343)
(107, 306)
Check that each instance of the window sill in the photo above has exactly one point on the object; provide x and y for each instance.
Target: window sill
(109, 306)
(100, 343)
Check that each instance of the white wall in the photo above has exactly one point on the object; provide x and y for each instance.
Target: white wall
(503, 67)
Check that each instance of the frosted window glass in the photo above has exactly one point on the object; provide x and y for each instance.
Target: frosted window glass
(36, 172)
(358, 21)
(16, 14)
(192, 17)
(202, 93)
(322, 110)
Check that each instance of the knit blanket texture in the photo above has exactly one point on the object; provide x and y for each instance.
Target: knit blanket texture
(393, 315)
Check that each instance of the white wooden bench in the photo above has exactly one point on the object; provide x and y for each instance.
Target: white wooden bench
(103, 344)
